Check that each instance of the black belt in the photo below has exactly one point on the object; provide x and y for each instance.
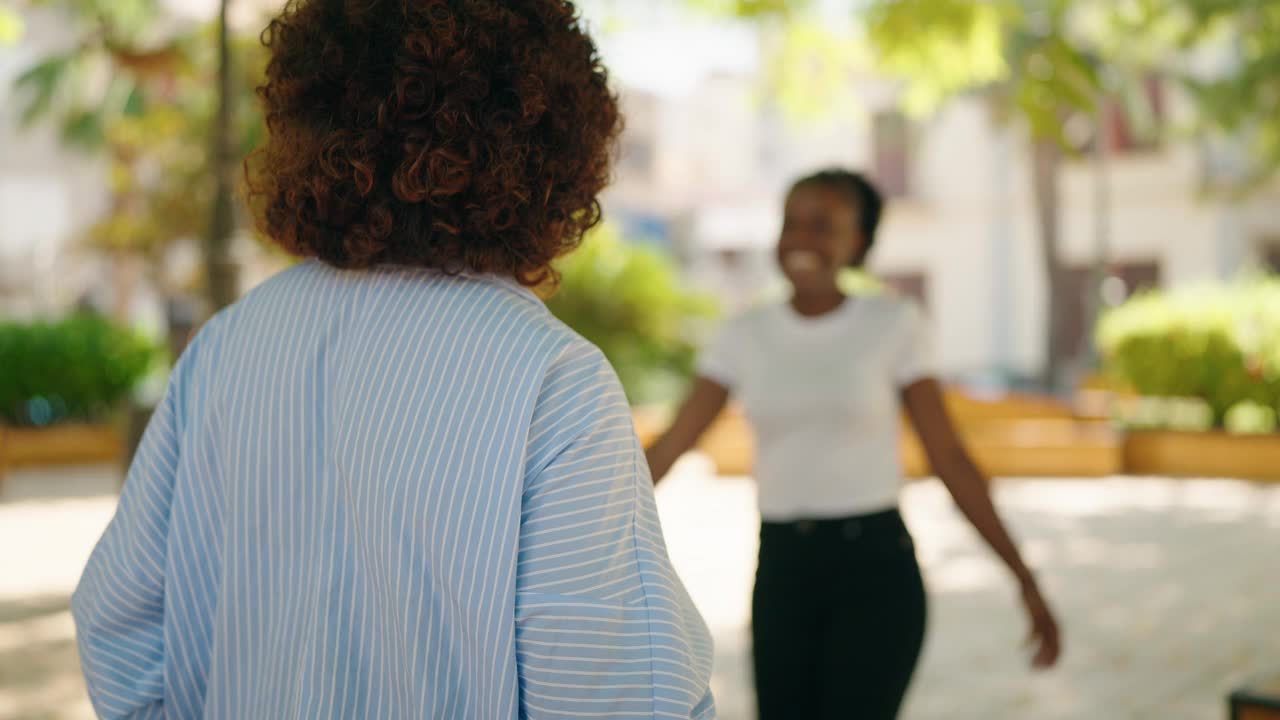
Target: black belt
(850, 527)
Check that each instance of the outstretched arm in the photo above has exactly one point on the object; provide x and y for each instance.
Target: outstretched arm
(697, 413)
(970, 488)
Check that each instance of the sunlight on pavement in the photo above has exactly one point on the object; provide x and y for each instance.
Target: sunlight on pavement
(1166, 589)
(49, 522)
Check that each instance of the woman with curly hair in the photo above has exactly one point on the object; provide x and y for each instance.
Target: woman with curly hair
(388, 483)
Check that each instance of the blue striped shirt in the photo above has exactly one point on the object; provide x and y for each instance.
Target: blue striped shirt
(389, 494)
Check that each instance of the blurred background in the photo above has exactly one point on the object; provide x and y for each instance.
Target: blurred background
(1085, 199)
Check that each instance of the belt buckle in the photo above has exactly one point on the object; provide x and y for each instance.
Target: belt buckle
(806, 527)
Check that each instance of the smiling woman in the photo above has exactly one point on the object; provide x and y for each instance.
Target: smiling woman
(839, 604)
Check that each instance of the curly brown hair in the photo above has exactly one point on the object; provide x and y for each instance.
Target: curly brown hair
(460, 135)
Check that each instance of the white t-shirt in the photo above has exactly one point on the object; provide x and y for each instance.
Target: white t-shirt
(823, 395)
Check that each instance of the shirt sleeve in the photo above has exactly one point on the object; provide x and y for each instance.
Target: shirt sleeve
(720, 358)
(118, 606)
(914, 356)
(604, 627)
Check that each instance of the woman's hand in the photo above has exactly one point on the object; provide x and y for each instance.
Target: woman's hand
(1043, 635)
(702, 406)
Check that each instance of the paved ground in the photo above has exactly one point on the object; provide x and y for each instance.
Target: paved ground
(1169, 592)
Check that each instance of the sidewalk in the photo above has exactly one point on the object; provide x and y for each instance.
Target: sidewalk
(1168, 593)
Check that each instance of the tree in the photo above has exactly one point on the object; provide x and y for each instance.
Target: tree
(1027, 58)
(1061, 56)
(1041, 62)
(170, 131)
(160, 157)
(1031, 62)
(220, 272)
(1240, 97)
(114, 39)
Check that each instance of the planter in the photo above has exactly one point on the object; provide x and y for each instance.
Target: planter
(59, 445)
(1020, 436)
(1203, 454)
(1002, 448)
(730, 444)
(1030, 448)
(966, 409)
(650, 423)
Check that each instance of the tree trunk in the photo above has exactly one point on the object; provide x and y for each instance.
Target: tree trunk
(1046, 160)
(220, 270)
(1101, 228)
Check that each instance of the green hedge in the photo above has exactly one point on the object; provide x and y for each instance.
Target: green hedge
(628, 300)
(1220, 345)
(77, 369)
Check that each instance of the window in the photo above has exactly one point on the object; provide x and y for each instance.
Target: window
(1121, 282)
(891, 153)
(1136, 119)
(1132, 122)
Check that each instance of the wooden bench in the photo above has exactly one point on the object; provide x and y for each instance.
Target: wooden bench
(1257, 701)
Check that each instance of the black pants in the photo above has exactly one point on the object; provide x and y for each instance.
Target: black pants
(838, 618)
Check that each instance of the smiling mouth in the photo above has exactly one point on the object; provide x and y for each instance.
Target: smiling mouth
(802, 261)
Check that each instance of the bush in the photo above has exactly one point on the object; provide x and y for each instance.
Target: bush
(77, 369)
(1219, 344)
(627, 300)
(1251, 418)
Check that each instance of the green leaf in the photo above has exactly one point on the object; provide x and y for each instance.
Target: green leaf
(136, 104)
(84, 128)
(750, 8)
(42, 81)
(811, 70)
(940, 47)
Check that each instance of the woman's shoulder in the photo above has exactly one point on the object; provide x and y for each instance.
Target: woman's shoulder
(410, 289)
(355, 302)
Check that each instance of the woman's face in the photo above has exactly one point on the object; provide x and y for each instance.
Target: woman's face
(820, 237)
